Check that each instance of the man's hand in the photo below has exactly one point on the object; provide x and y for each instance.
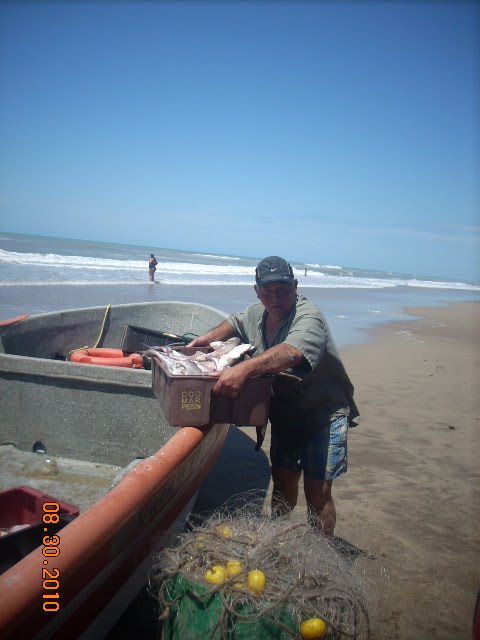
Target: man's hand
(222, 332)
(231, 381)
(273, 360)
(201, 341)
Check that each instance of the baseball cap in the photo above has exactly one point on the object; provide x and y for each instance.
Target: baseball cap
(273, 269)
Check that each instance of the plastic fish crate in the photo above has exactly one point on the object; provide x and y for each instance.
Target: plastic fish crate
(188, 400)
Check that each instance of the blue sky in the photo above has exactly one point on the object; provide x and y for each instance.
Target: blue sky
(328, 132)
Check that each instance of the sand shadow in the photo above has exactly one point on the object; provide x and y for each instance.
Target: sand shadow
(238, 469)
(347, 550)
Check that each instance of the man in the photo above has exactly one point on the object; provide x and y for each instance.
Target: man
(312, 403)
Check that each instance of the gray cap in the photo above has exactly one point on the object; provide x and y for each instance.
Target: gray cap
(273, 269)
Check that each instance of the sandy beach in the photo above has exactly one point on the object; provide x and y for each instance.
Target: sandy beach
(410, 499)
(411, 496)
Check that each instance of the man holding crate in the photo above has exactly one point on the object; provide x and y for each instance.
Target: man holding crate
(312, 404)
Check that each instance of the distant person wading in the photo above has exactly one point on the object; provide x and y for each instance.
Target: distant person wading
(152, 266)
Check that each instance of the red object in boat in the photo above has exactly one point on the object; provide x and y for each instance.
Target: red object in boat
(24, 505)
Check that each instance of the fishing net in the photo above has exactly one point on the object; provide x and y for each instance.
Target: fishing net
(239, 574)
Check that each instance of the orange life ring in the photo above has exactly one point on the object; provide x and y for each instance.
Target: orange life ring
(108, 358)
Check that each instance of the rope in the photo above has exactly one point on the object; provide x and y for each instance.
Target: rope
(100, 335)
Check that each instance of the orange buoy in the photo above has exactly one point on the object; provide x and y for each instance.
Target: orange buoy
(107, 358)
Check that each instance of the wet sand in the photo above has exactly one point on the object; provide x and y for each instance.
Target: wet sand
(411, 498)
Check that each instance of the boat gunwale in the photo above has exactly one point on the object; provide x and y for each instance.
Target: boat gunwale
(7, 326)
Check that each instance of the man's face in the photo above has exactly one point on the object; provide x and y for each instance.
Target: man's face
(278, 298)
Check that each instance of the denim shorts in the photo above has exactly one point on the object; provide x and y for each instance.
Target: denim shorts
(325, 456)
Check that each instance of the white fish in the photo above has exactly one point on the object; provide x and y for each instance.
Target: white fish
(208, 367)
(219, 349)
(200, 363)
(176, 366)
(233, 356)
(228, 344)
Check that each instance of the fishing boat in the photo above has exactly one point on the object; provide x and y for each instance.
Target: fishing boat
(94, 437)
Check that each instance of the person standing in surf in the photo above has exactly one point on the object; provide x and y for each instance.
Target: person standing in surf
(152, 266)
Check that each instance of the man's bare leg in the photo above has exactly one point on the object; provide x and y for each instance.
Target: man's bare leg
(321, 508)
(285, 490)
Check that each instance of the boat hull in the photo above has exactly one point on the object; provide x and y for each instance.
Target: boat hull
(98, 415)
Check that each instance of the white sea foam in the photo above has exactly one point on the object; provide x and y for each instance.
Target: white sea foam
(67, 262)
(210, 255)
(332, 267)
(203, 269)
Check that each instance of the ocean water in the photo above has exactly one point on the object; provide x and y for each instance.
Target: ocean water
(40, 274)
